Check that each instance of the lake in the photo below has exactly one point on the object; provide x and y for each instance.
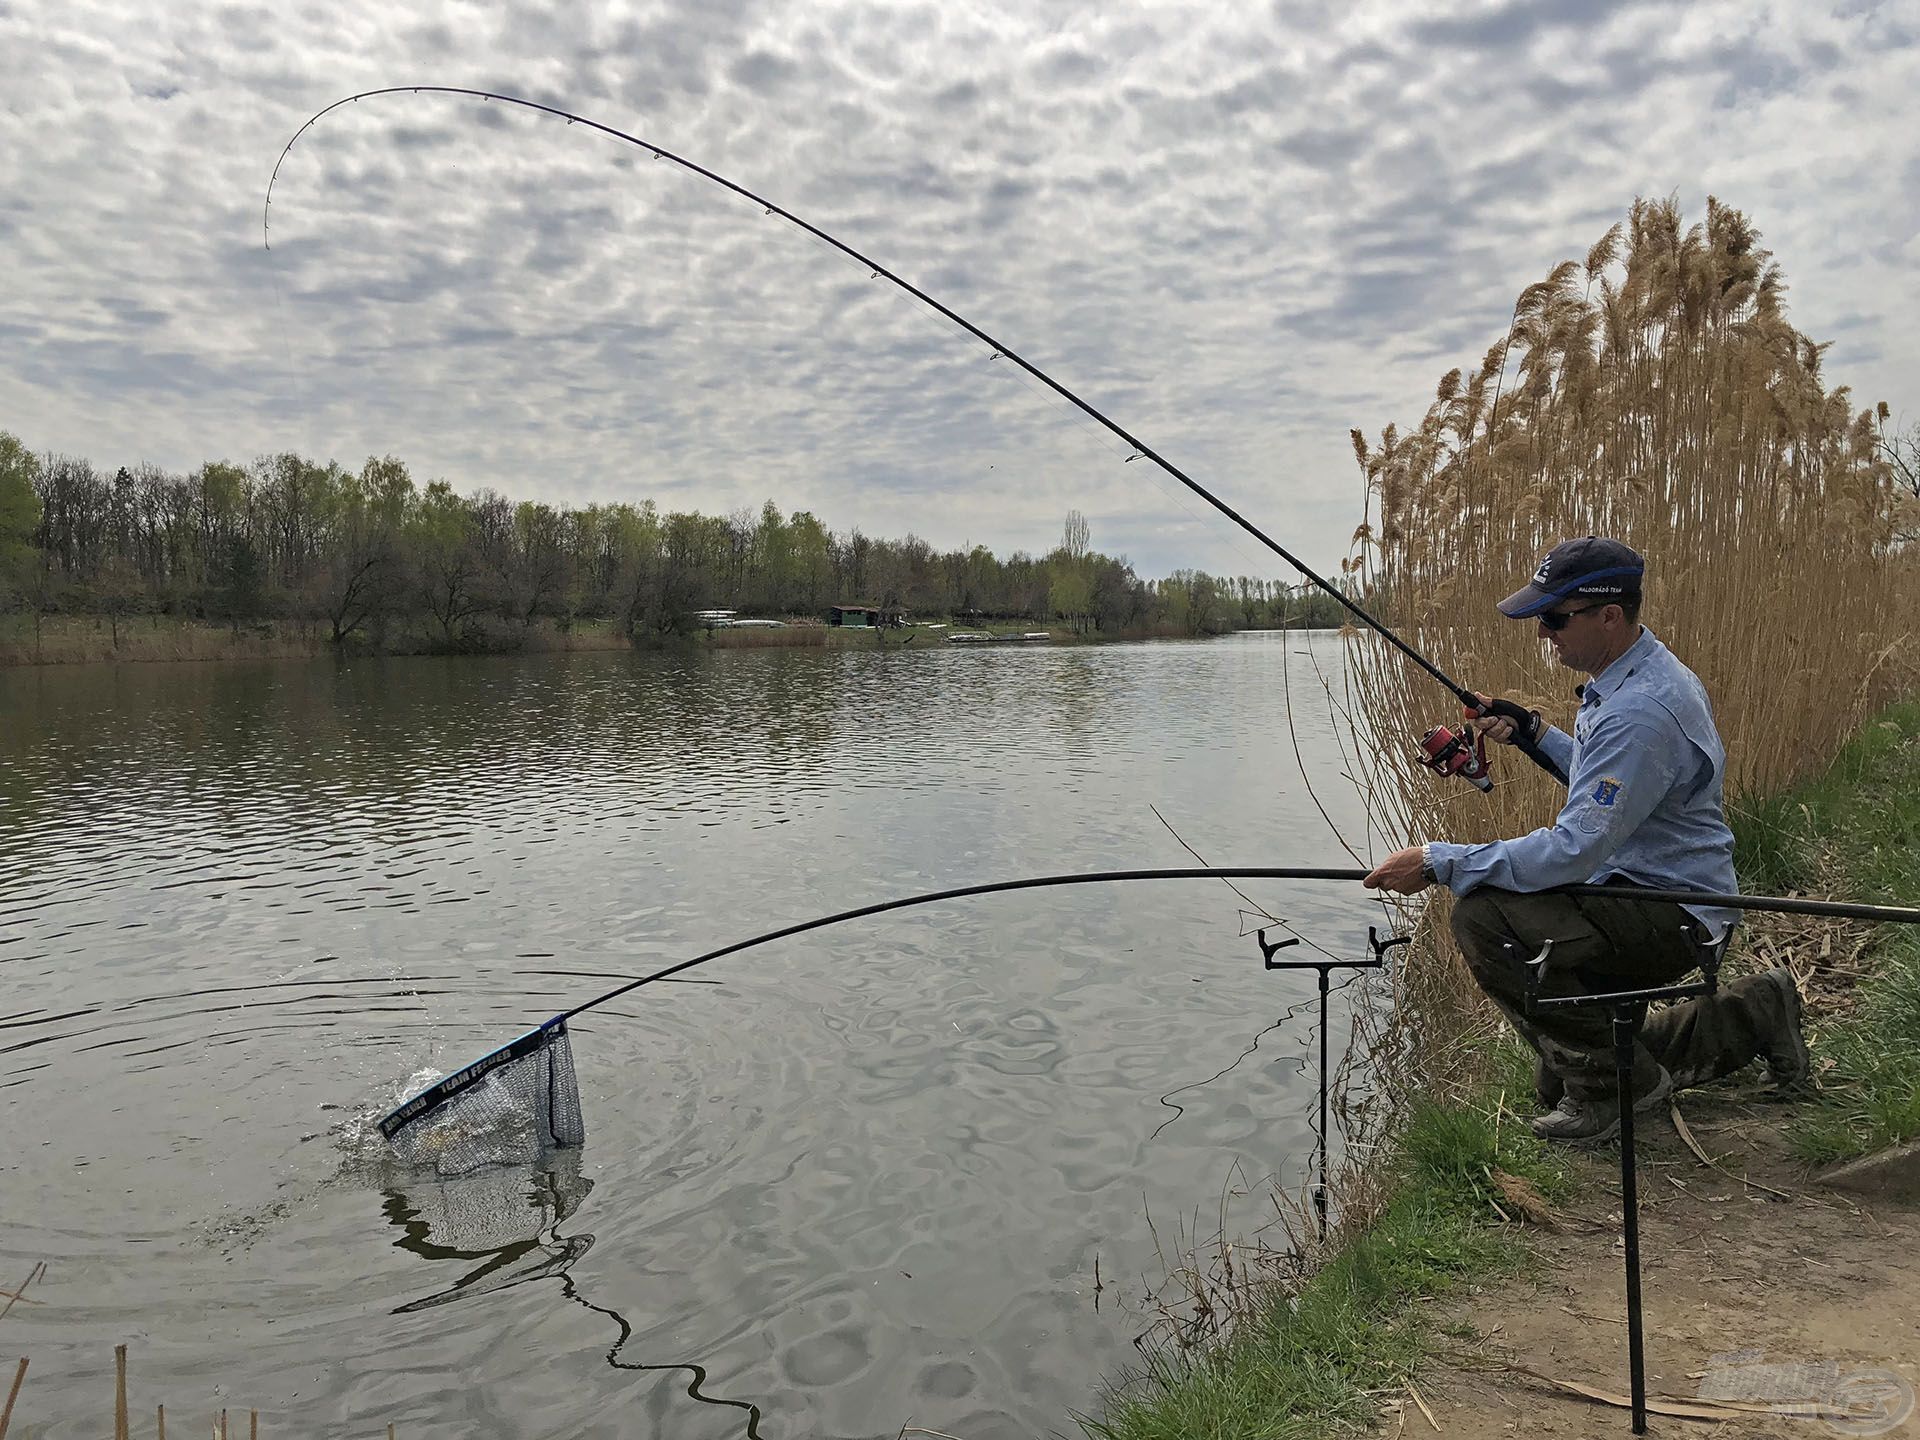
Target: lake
(846, 1179)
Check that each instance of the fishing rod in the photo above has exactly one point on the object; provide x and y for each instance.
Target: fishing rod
(544, 1038)
(1468, 698)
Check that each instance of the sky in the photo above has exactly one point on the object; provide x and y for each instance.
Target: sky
(1240, 230)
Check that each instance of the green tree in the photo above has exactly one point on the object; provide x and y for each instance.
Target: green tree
(1070, 587)
(219, 511)
(812, 550)
(359, 569)
(19, 516)
(538, 575)
(441, 535)
(1068, 593)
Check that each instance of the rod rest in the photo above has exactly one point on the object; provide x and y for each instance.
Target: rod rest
(1711, 954)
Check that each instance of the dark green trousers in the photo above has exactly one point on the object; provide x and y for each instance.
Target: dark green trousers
(1601, 945)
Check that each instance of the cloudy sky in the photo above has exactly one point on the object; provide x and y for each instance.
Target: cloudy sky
(1240, 229)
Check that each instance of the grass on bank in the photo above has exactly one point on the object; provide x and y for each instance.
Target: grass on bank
(1854, 831)
(1314, 1359)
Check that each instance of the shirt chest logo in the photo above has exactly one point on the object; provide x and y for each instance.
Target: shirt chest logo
(1606, 792)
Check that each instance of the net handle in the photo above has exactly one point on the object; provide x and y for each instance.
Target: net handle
(1892, 914)
(436, 1095)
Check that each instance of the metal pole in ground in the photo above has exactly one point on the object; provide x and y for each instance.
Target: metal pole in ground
(1320, 1189)
(1629, 1007)
(1626, 1030)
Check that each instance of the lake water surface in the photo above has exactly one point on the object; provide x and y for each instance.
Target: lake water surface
(851, 1178)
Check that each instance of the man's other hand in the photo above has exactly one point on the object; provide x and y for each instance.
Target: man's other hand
(1403, 872)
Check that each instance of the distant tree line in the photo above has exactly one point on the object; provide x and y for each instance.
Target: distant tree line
(360, 551)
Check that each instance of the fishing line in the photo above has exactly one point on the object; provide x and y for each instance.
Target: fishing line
(1292, 1012)
(1258, 909)
(1104, 439)
(1126, 457)
(697, 1373)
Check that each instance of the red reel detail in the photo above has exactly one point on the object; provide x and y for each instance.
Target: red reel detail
(1446, 753)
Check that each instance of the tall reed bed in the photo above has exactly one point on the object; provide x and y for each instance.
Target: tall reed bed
(1657, 393)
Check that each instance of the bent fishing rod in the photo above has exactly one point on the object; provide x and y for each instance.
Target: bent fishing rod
(1468, 698)
(430, 1099)
(1775, 904)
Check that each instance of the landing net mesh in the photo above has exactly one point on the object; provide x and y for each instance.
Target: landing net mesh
(510, 1108)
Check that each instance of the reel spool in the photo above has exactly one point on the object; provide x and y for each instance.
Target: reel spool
(1446, 753)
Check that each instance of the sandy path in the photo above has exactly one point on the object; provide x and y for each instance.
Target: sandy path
(1804, 1278)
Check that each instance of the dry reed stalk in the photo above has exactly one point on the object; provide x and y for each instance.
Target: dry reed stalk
(15, 1296)
(19, 1378)
(160, 1422)
(119, 1392)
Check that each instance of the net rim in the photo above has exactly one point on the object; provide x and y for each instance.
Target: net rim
(424, 1102)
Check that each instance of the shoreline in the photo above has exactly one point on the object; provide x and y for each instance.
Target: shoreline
(68, 640)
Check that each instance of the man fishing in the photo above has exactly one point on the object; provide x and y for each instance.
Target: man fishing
(1644, 767)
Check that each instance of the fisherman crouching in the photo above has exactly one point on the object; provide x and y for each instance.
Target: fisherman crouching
(1644, 767)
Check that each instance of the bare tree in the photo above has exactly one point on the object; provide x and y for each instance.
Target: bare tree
(1901, 451)
(1077, 539)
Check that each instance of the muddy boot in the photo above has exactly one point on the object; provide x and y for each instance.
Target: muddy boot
(1786, 1049)
(1590, 1120)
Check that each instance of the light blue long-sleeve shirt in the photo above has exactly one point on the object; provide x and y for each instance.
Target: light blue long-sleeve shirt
(1644, 767)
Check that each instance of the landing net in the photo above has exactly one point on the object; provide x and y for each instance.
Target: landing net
(511, 1107)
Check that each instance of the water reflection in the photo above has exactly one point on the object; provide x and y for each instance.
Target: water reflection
(500, 1220)
(696, 1374)
(503, 1223)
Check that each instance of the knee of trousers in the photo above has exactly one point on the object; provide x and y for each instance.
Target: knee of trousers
(1475, 922)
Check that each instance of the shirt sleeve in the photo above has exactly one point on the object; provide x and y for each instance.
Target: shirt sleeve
(1627, 766)
(1557, 746)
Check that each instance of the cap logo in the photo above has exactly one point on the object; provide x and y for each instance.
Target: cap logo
(1540, 575)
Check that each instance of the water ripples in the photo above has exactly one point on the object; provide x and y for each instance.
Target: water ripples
(827, 1184)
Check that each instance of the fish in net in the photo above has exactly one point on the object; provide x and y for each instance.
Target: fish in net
(510, 1107)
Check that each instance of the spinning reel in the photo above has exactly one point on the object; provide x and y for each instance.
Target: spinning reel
(1446, 752)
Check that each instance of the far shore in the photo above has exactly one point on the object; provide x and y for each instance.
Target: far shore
(147, 639)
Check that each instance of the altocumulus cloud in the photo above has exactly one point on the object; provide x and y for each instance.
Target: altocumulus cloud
(1240, 230)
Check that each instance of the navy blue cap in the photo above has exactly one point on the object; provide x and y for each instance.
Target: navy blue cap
(1591, 566)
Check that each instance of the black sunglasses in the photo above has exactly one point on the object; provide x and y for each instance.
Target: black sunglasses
(1556, 620)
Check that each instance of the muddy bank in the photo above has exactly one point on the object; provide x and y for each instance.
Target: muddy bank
(1760, 1286)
